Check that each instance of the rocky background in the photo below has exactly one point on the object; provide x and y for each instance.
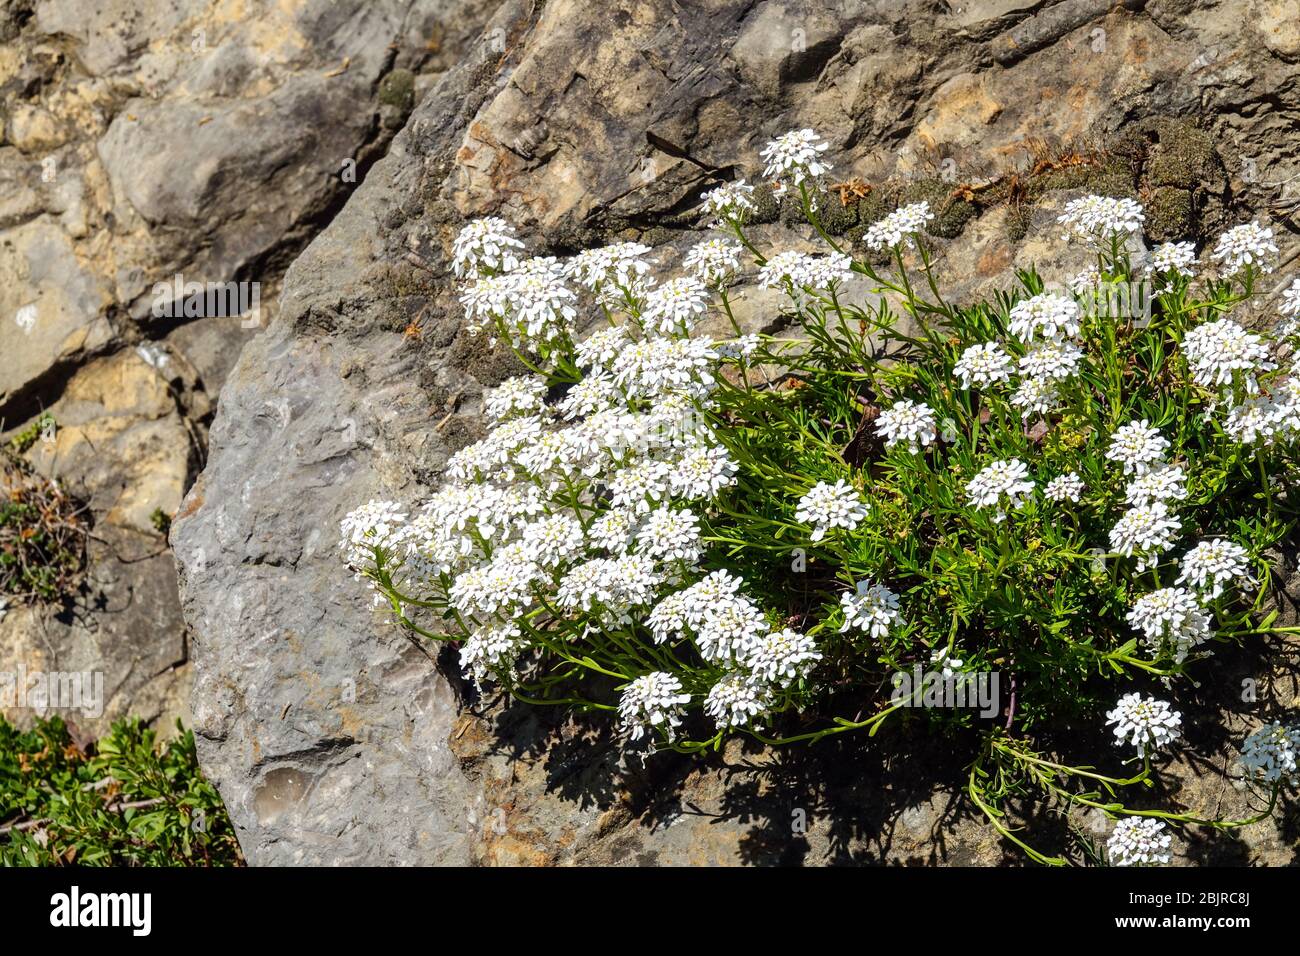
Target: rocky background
(241, 141)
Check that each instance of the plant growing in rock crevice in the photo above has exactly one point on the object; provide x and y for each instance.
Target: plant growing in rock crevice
(42, 534)
(767, 534)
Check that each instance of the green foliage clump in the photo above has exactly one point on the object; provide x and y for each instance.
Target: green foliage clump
(42, 534)
(123, 801)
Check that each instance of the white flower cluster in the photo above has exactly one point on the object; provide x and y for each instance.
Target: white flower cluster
(1067, 487)
(794, 158)
(486, 246)
(1171, 619)
(730, 203)
(1269, 754)
(1172, 258)
(530, 303)
(899, 226)
(1222, 354)
(1145, 723)
(802, 270)
(1228, 360)
(983, 365)
(1249, 245)
(907, 423)
(1098, 219)
(1002, 485)
(1139, 841)
(826, 507)
(870, 607)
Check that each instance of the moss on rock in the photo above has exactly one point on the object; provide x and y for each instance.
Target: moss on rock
(1171, 214)
(1182, 156)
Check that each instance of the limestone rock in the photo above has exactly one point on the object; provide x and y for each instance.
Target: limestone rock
(332, 736)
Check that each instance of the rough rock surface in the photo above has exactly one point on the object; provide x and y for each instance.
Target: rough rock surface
(139, 142)
(336, 739)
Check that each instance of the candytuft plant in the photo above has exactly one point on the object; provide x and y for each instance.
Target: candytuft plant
(1038, 495)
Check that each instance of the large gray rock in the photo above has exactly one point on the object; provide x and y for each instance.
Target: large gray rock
(336, 739)
(139, 142)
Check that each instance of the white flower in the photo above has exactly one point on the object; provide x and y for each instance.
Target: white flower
(553, 540)
(1048, 315)
(728, 628)
(1035, 396)
(898, 226)
(501, 585)
(593, 394)
(949, 666)
(782, 656)
(1257, 419)
(633, 581)
(742, 347)
(714, 261)
(983, 365)
(1146, 531)
(829, 506)
(1139, 841)
(586, 585)
(1051, 359)
(1145, 723)
(639, 488)
(652, 701)
(711, 591)
(870, 607)
(523, 394)
(1175, 257)
(1291, 299)
(736, 700)
(793, 158)
(1086, 282)
(1164, 483)
(1067, 487)
(1212, 564)
(484, 299)
(1137, 446)
(535, 303)
(491, 649)
(1247, 245)
(376, 524)
(485, 246)
(668, 619)
(670, 535)
(1002, 485)
(730, 202)
(623, 265)
(655, 367)
(676, 305)
(612, 531)
(1217, 351)
(1269, 754)
(1095, 219)
(801, 269)
(907, 422)
(599, 349)
(702, 472)
(1173, 620)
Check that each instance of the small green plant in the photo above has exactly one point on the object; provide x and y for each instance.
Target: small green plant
(42, 534)
(1049, 502)
(123, 801)
(161, 521)
(44, 425)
